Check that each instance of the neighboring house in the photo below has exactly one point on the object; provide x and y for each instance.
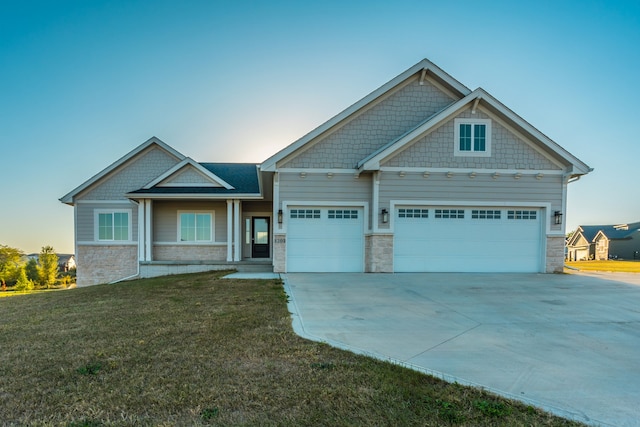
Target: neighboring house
(423, 174)
(66, 262)
(600, 242)
(580, 246)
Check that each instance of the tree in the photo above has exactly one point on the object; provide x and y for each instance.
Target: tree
(23, 283)
(48, 266)
(10, 259)
(32, 270)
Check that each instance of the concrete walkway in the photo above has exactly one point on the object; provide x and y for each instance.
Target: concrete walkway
(569, 344)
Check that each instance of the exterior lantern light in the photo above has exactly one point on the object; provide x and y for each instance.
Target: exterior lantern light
(280, 216)
(557, 215)
(385, 216)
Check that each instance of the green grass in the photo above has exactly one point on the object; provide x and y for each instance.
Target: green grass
(608, 265)
(200, 350)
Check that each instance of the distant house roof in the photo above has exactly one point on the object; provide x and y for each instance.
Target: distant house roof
(243, 179)
(621, 231)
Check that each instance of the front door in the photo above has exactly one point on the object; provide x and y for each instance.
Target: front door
(260, 237)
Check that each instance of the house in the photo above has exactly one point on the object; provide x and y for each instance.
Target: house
(66, 262)
(580, 246)
(600, 242)
(422, 174)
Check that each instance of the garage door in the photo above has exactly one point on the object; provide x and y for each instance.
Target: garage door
(455, 239)
(325, 239)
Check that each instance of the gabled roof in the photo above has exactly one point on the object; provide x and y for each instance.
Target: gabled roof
(425, 67)
(243, 179)
(372, 162)
(68, 198)
(618, 232)
(209, 179)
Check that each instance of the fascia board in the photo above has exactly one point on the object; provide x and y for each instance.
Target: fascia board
(68, 198)
(190, 196)
(197, 166)
(269, 165)
(579, 167)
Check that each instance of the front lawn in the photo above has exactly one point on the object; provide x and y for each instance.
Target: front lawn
(201, 350)
(608, 265)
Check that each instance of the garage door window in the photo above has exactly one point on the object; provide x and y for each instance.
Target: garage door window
(413, 213)
(485, 214)
(522, 214)
(343, 214)
(450, 213)
(305, 213)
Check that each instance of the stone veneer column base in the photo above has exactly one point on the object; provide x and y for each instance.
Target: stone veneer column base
(279, 253)
(378, 253)
(555, 254)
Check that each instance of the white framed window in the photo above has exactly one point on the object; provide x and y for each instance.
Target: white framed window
(113, 225)
(195, 226)
(472, 137)
(343, 214)
(485, 214)
(413, 213)
(522, 214)
(449, 213)
(305, 213)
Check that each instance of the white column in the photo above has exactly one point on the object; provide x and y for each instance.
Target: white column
(148, 230)
(229, 230)
(237, 239)
(141, 233)
(375, 215)
(276, 201)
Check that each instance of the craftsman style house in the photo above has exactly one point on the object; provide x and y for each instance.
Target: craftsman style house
(423, 174)
(600, 242)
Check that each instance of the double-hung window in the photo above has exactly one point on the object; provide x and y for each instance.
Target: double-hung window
(195, 226)
(472, 137)
(113, 225)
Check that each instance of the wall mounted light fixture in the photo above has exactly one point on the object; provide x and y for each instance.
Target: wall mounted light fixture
(385, 216)
(557, 216)
(280, 216)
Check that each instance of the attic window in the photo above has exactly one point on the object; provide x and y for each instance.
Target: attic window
(472, 137)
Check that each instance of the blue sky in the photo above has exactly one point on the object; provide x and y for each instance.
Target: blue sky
(84, 82)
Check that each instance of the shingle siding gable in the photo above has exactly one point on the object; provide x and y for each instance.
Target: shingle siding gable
(436, 150)
(131, 176)
(373, 128)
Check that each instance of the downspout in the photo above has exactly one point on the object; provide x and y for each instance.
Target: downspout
(138, 252)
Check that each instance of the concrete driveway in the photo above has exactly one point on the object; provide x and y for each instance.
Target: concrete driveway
(567, 343)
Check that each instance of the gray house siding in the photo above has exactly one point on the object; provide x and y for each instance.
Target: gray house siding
(131, 176)
(437, 150)
(462, 188)
(369, 130)
(85, 219)
(625, 249)
(319, 187)
(165, 219)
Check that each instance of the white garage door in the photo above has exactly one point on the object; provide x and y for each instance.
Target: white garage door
(461, 239)
(325, 239)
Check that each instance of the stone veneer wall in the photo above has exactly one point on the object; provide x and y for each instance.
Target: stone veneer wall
(279, 252)
(105, 264)
(190, 252)
(378, 253)
(555, 254)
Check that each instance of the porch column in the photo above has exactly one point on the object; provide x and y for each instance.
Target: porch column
(229, 230)
(148, 230)
(141, 233)
(237, 239)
